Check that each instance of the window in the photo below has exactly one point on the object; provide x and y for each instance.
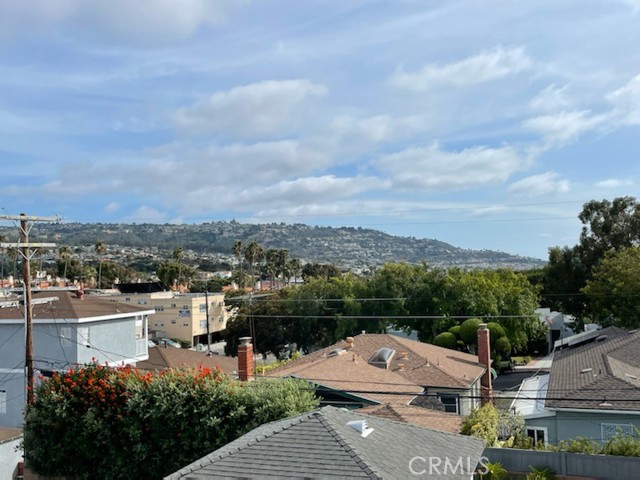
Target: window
(451, 403)
(173, 322)
(537, 434)
(65, 336)
(142, 302)
(186, 307)
(203, 324)
(185, 324)
(202, 308)
(610, 430)
(184, 313)
(159, 308)
(173, 305)
(3, 402)
(83, 336)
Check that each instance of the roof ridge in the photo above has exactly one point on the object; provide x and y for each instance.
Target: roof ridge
(165, 359)
(346, 446)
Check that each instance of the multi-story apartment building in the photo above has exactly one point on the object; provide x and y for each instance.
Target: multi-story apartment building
(182, 316)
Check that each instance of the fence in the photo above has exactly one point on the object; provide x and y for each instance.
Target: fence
(607, 467)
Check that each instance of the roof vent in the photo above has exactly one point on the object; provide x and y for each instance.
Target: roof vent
(336, 352)
(586, 370)
(382, 358)
(361, 427)
(630, 376)
(601, 338)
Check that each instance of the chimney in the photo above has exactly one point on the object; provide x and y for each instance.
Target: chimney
(484, 357)
(245, 359)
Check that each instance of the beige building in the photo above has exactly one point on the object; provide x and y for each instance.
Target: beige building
(179, 315)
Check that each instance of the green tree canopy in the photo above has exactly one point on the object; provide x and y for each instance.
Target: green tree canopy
(614, 289)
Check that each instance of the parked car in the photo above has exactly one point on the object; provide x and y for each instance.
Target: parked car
(168, 342)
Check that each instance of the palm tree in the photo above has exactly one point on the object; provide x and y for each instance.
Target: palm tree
(100, 248)
(177, 256)
(13, 255)
(295, 267)
(283, 259)
(271, 256)
(237, 250)
(253, 253)
(64, 254)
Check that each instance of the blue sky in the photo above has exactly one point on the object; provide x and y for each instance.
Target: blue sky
(485, 124)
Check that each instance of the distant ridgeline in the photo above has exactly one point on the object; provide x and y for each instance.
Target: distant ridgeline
(345, 246)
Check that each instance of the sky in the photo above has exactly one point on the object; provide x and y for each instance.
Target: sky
(484, 124)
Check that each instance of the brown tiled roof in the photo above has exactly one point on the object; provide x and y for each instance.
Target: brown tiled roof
(422, 417)
(161, 358)
(426, 365)
(607, 369)
(353, 374)
(68, 306)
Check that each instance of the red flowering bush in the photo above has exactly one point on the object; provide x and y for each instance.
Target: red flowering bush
(112, 423)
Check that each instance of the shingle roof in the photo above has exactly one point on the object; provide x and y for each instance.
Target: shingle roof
(352, 373)
(320, 444)
(70, 307)
(607, 369)
(425, 364)
(161, 358)
(422, 417)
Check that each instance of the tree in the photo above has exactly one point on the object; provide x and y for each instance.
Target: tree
(237, 251)
(271, 267)
(483, 423)
(614, 289)
(446, 340)
(64, 255)
(607, 226)
(100, 249)
(253, 254)
(283, 264)
(177, 257)
(146, 425)
(168, 273)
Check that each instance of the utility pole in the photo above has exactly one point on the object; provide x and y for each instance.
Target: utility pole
(25, 252)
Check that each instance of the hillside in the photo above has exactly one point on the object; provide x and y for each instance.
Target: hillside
(344, 246)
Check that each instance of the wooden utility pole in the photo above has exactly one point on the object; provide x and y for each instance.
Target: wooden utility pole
(25, 251)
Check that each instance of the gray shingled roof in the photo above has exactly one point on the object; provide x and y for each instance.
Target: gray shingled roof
(320, 444)
(607, 369)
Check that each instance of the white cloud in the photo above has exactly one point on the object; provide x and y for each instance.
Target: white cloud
(137, 20)
(376, 129)
(563, 127)
(548, 183)
(551, 98)
(145, 214)
(483, 67)
(112, 207)
(626, 101)
(437, 169)
(258, 108)
(614, 183)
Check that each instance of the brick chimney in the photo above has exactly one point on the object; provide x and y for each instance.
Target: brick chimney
(245, 359)
(484, 357)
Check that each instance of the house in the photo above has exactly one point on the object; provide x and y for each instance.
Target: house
(423, 417)
(370, 363)
(162, 358)
(181, 316)
(69, 329)
(560, 326)
(337, 443)
(592, 391)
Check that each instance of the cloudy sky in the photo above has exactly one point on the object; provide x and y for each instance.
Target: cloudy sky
(486, 124)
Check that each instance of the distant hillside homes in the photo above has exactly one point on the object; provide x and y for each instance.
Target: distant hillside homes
(347, 247)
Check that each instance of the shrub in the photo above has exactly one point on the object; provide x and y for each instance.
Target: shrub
(446, 340)
(495, 471)
(483, 423)
(622, 444)
(100, 422)
(503, 346)
(455, 330)
(469, 331)
(541, 473)
(496, 331)
(579, 445)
